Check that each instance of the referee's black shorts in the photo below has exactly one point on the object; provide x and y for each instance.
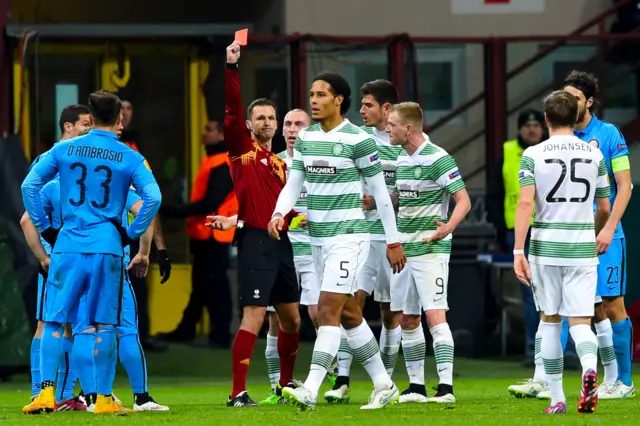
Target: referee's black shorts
(266, 273)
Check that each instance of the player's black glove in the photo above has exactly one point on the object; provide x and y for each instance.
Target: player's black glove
(50, 235)
(126, 240)
(165, 265)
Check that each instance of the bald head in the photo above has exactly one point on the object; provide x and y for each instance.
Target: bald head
(294, 121)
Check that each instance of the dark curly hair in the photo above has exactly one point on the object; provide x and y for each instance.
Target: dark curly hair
(586, 82)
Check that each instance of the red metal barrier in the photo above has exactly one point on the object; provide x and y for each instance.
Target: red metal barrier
(400, 47)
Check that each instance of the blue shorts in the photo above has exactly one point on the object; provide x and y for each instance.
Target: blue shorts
(129, 315)
(40, 303)
(612, 270)
(84, 289)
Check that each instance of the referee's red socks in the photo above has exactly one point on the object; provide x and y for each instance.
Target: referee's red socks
(288, 352)
(241, 357)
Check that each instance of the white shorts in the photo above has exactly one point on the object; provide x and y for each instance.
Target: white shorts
(307, 280)
(421, 286)
(375, 275)
(337, 265)
(569, 291)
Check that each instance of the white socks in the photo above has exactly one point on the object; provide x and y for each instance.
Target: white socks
(273, 360)
(553, 359)
(443, 352)
(538, 375)
(389, 347)
(607, 353)
(586, 346)
(414, 350)
(367, 352)
(345, 356)
(324, 351)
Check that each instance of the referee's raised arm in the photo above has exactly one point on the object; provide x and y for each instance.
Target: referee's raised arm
(266, 272)
(235, 130)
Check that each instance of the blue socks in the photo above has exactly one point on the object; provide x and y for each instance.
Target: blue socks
(82, 359)
(35, 366)
(623, 346)
(66, 373)
(133, 360)
(50, 352)
(106, 356)
(564, 335)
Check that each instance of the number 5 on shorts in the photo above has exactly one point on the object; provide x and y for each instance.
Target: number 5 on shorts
(343, 269)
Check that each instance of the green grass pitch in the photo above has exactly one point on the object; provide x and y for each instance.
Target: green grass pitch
(195, 384)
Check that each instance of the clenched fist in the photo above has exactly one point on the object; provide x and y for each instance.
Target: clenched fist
(233, 53)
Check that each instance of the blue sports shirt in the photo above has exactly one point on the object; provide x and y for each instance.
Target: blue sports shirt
(609, 139)
(96, 171)
(51, 198)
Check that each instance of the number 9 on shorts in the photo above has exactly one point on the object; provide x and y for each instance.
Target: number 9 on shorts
(421, 286)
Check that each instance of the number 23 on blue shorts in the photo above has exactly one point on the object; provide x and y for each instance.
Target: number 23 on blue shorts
(612, 270)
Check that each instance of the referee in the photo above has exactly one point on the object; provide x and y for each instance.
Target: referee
(266, 272)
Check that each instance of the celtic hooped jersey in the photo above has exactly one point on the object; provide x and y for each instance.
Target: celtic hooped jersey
(567, 173)
(388, 156)
(335, 164)
(299, 237)
(425, 180)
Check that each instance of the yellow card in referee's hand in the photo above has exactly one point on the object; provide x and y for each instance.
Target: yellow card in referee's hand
(295, 222)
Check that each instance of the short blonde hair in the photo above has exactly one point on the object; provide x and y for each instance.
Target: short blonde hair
(410, 113)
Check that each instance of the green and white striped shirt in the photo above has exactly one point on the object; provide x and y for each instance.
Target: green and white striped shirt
(299, 237)
(567, 174)
(388, 156)
(335, 164)
(425, 181)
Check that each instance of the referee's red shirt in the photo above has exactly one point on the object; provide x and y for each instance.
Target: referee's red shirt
(258, 175)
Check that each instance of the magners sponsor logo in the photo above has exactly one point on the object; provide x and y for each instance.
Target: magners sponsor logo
(321, 168)
(409, 194)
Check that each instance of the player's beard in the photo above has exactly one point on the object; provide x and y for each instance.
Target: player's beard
(581, 114)
(264, 135)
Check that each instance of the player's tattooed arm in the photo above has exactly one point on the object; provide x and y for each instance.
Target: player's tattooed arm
(623, 183)
(140, 263)
(145, 241)
(158, 235)
(147, 237)
(603, 207)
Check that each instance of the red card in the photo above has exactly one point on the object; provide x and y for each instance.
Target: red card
(242, 36)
